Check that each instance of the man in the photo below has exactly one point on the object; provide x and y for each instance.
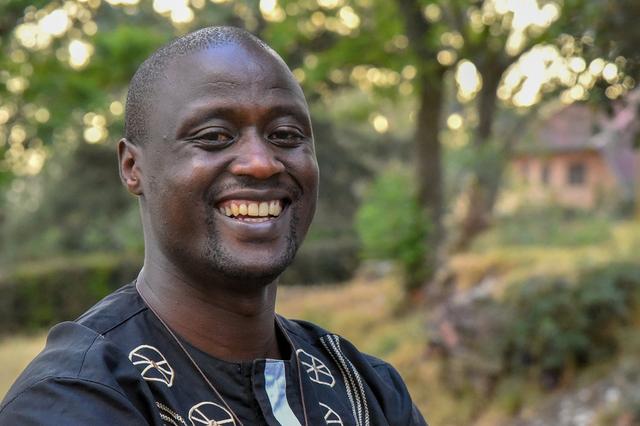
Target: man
(218, 148)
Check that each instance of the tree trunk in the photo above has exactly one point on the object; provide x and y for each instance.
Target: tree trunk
(503, 151)
(428, 163)
(487, 173)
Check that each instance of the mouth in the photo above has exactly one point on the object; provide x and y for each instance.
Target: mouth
(253, 211)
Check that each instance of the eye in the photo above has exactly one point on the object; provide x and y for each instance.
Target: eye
(216, 137)
(287, 136)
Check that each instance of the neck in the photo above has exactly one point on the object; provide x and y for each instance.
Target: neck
(229, 325)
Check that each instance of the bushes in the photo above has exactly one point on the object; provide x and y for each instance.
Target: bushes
(390, 225)
(545, 327)
(551, 225)
(559, 325)
(38, 295)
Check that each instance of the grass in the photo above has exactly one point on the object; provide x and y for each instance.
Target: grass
(15, 354)
(516, 262)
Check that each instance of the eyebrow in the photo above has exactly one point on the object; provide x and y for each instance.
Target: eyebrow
(205, 113)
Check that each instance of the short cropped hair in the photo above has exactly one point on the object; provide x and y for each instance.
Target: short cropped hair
(142, 86)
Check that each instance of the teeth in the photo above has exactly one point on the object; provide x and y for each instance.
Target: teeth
(258, 212)
(253, 209)
(277, 208)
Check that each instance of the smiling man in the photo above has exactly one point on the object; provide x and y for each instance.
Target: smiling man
(219, 149)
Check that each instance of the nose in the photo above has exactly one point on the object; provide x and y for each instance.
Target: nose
(256, 159)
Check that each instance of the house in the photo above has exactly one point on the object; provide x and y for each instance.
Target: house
(579, 158)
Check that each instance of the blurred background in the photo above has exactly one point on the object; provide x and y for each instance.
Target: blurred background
(478, 223)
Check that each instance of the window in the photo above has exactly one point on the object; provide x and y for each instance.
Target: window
(577, 174)
(524, 168)
(544, 175)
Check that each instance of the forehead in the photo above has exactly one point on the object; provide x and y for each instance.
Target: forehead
(245, 75)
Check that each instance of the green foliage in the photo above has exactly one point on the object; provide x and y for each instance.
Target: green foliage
(392, 43)
(551, 226)
(544, 328)
(557, 325)
(391, 226)
(39, 295)
(609, 30)
(77, 204)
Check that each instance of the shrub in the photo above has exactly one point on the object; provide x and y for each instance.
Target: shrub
(552, 225)
(558, 325)
(390, 225)
(39, 295)
(545, 327)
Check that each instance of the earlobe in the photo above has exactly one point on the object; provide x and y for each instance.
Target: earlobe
(129, 166)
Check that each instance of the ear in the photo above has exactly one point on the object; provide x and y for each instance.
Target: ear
(129, 156)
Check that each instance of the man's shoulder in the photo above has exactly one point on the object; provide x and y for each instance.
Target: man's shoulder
(82, 350)
(114, 310)
(303, 329)
(79, 378)
(70, 352)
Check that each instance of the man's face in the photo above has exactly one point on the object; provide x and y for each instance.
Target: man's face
(230, 174)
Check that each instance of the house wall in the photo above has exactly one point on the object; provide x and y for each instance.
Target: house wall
(597, 182)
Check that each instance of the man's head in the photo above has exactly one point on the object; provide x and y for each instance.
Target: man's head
(219, 147)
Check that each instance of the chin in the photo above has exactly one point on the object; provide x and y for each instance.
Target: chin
(253, 278)
(260, 270)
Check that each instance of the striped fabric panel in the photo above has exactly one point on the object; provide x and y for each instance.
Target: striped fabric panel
(276, 388)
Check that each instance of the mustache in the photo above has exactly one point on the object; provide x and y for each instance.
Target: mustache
(248, 182)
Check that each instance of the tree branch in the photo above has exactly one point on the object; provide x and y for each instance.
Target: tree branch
(417, 27)
(457, 20)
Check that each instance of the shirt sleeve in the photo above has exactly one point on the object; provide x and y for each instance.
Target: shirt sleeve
(70, 402)
(398, 403)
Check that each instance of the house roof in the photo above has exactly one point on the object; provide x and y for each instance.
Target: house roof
(579, 128)
(565, 130)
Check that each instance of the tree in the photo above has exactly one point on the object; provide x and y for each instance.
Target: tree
(66, 66)
(491, 42)
(482, 42)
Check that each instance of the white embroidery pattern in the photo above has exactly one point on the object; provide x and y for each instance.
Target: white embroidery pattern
(318, 372)
(331, 417)
(355, 411)
(166, 418)
(210, 414)
(169, 415)
(352, 380)
(363, 395)
(154, 366)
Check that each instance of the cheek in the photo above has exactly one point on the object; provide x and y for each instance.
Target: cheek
(308, 176)
(312, 176)
(183, 178)
(179, 196)
(305, 165)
